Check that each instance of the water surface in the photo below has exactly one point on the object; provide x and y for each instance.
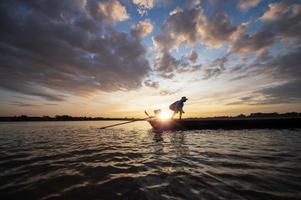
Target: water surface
(77, 160)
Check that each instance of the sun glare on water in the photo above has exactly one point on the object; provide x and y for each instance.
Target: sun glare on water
(165, 115)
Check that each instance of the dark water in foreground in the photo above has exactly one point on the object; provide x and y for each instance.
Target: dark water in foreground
(76, 160)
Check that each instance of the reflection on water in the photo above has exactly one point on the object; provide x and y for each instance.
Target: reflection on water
(77, 160)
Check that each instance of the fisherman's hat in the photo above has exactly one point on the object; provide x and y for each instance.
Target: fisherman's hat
(184, 98)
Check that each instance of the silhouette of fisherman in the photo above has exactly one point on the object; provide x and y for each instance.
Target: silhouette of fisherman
(177, 107)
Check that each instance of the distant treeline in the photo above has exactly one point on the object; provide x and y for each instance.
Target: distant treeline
(263, 115)
(70, 118)
(59, 118)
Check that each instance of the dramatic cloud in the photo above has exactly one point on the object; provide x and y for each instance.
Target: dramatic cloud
(55, 48)
(244, 43)
(151, 84)
(193, 3)
(193, 56)
(215, 68)
(246, 4)
(285, 66)
(288, 92)
(281, 22)
(275, 11)
(284, 69)
(189, 27)
(113, 10)
(168, 92)
(167, 65)
(21, 104)
(283, 19)
(142, 29)
(144, 5)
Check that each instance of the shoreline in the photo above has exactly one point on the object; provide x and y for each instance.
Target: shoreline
(40, 119)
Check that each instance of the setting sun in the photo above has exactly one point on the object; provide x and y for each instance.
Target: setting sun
(152, 99)
(164, 115)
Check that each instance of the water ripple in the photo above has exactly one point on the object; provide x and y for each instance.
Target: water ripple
(76, 160)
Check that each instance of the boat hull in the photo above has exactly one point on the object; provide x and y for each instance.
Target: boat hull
(231, 123)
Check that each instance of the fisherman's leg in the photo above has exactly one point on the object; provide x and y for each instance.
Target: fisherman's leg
(174, 113)
(181, 114)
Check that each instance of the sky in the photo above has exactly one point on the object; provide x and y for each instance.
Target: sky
(117, 58)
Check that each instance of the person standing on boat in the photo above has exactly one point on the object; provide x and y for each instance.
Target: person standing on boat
(177, 107)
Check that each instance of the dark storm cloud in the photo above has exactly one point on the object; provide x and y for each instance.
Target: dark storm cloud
(280, 23)
(288, 92)
(26, 104)
(284, 19)
(286, 66)
(215, 68)
(54, 48)
(21, 104)
(284, 69)
(189, 27)
(151, 84)
(259, 42)
(167, 65)
(193, 56)
(281, 67)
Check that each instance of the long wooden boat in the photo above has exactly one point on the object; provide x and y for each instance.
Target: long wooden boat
(225, 123)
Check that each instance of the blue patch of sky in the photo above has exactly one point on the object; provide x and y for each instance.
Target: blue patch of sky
(124, 26)
(148, 41)
(159, 13)
(134, 18)
(277, 49)
(252, 15)
(157, 16)
(207, 8)
(206, 54)
(182, 51)
(237, 16)
(209, 54)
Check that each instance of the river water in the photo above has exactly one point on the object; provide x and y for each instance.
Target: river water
(77, 160)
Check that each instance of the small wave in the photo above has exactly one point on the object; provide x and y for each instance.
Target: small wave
(84, 162)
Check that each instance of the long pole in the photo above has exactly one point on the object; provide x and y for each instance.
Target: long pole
(135, 120)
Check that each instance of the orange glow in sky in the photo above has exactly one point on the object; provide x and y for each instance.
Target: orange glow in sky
(118, 58)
